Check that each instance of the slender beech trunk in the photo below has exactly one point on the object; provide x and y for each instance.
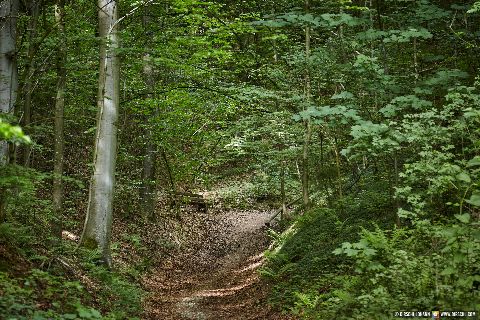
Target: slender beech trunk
(8, 64)
(8, 76)
(59, 108)
(339, 169)
(415, 60)
(149, 178)
(308, 122)
(149, 186)
(173, 187)
(98, 223)
(29, 75)
(282, 190)
(397, 182)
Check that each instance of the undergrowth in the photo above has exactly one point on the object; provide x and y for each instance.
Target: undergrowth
(302, 268)
(351, 262)
(62, 282)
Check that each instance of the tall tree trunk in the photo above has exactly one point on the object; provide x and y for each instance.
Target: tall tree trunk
(8, 64)
(397, 183)
(149, 186)
(282, 189)
(59, 108)
(338, 165)
(148, 195)
(308, 123)
(98, 222)
(29, 75)
(8, 76)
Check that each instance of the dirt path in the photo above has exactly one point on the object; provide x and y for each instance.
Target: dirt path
(214, 276)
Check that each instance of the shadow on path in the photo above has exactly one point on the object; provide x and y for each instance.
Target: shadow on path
(214, 276)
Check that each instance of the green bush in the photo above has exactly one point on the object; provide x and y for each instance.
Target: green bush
(302, 268)
(48, 294)
(40, 295)
(430, 266)
(424, 268)
(122, 297)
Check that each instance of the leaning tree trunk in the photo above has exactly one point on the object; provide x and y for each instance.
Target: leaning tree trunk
(8, 65)
(98, 223)
(59, 108)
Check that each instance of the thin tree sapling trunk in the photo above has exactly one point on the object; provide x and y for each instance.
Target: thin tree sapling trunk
(29, 75)
(339, 168)
(149, 177)
(282, 190)
(59, 111)
(308, 122)
(149, 185)
(397, 183)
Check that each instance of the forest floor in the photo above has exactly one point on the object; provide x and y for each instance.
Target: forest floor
(213, 275)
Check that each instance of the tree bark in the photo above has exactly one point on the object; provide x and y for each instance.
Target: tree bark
(308, 123)
(29, 76)
(8, 76)
(98, 223)
(8, 64)
(282, 189)
(149, 177)
(339, 169)
(149, 186)
(397, 183)
(59, 109)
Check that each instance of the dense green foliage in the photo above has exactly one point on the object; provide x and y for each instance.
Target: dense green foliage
(31, 293)
(378, 102)
(404, 110)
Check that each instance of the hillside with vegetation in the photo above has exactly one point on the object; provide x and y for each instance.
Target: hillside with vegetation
(169, 159)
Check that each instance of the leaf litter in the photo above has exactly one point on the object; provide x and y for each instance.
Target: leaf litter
(212, 273)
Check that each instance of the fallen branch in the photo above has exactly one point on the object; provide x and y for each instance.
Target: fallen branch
(280, 211)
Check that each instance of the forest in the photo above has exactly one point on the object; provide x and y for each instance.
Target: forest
(218, 159)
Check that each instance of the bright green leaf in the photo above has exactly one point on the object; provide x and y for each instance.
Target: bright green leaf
(465, 218)
(474, 162)
(474, 199)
